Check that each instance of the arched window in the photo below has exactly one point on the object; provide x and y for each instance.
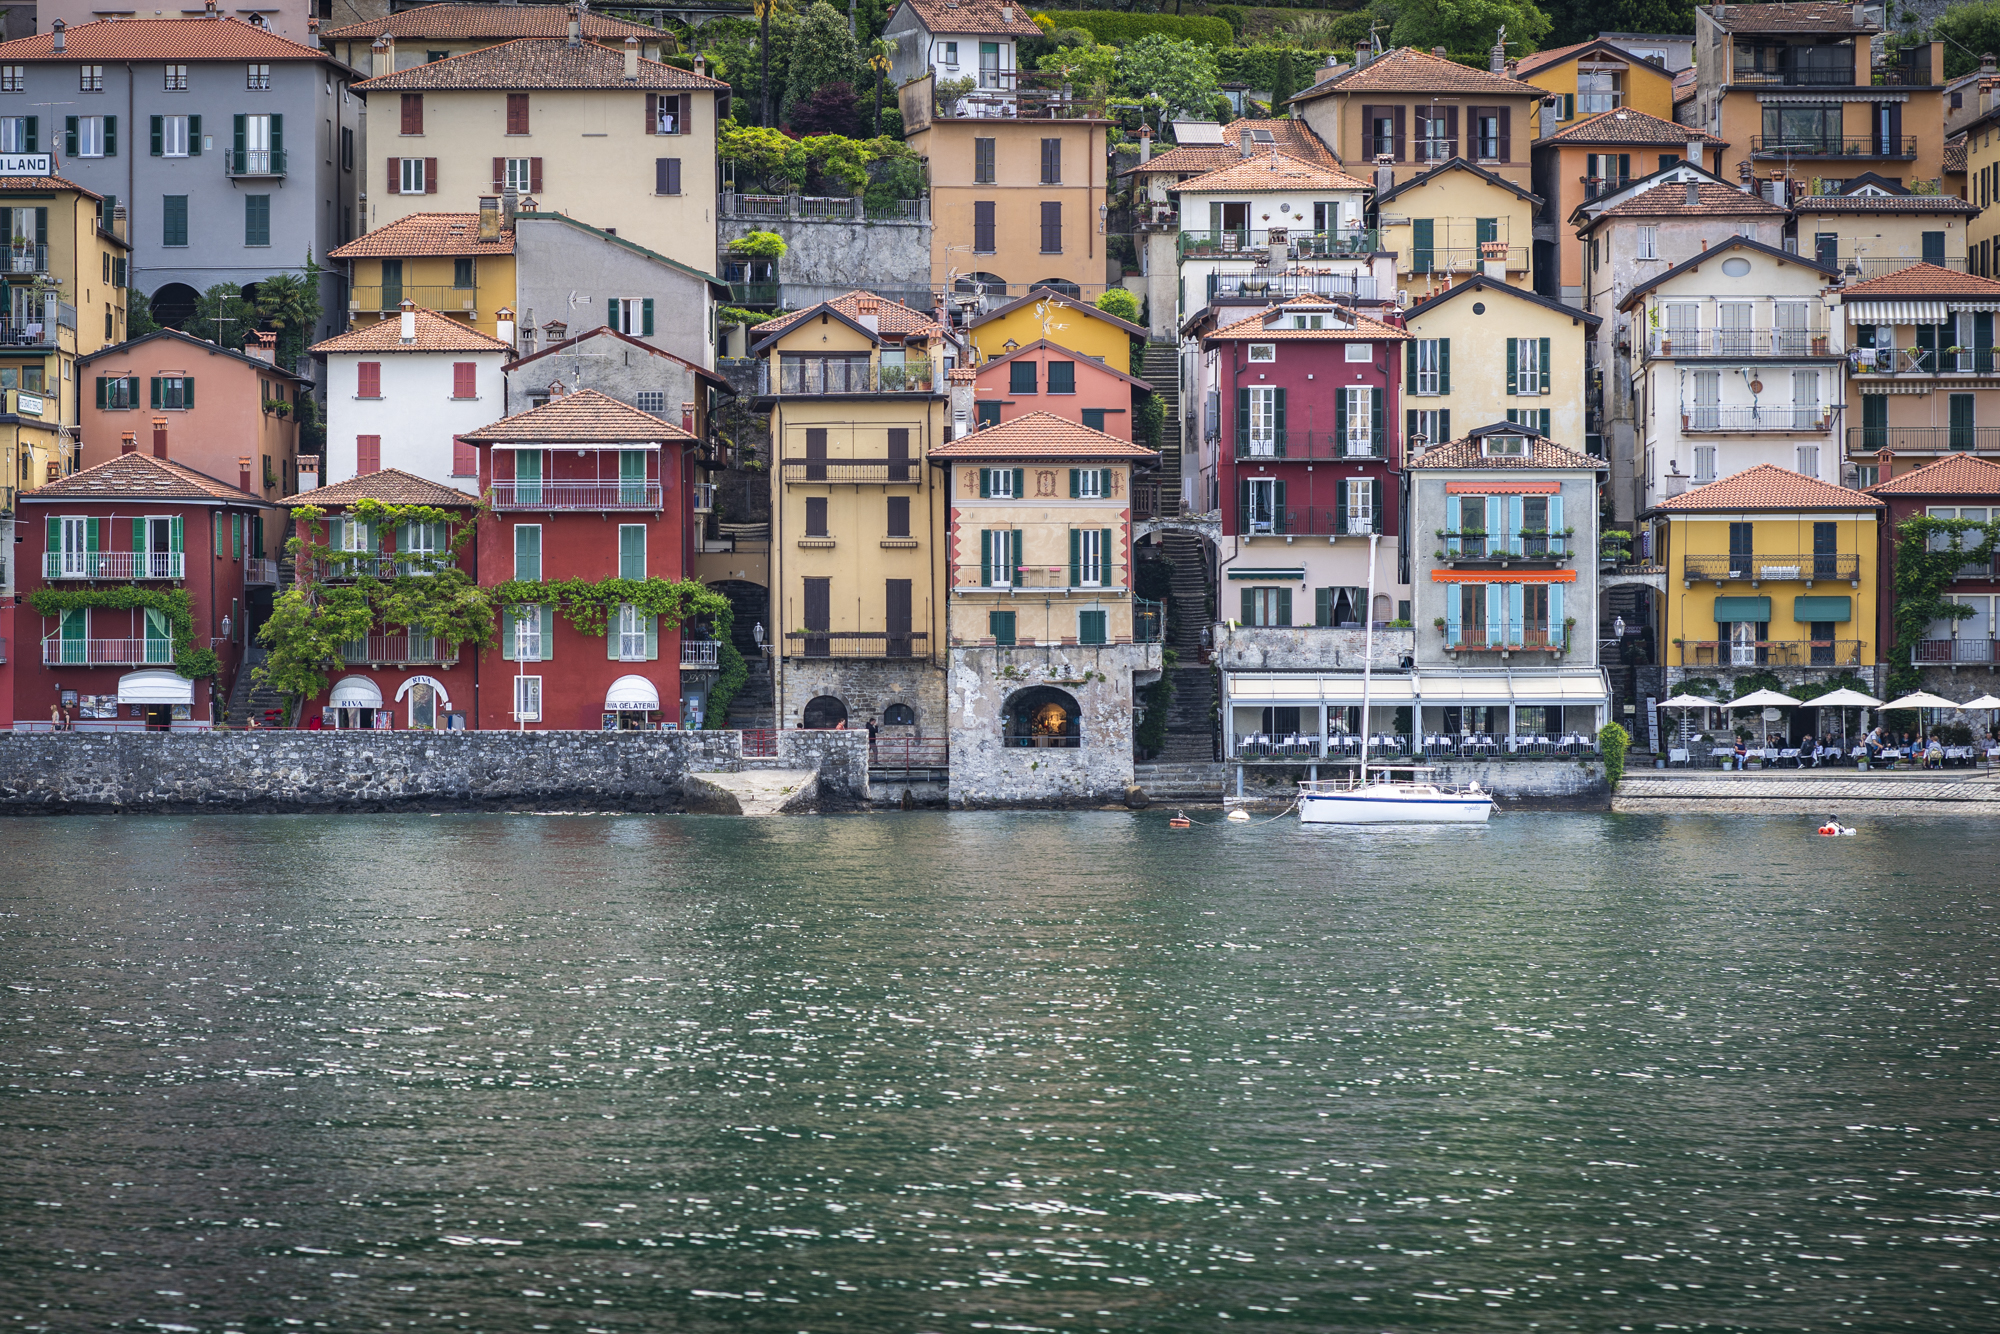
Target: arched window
(173, 305)
(899, 715)
(824, 711)
(1042, 716)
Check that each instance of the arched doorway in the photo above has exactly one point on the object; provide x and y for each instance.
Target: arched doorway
(824, 711)
(1042, 716)
(173, 305)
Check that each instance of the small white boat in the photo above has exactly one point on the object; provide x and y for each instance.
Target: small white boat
(1392, 801)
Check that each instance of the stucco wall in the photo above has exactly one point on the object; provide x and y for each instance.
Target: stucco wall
(987, 772)
(613, 367)
(567, 273)
(415, 416)
(824, 260)
(1291, 648)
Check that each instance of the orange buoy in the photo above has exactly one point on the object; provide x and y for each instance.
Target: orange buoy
(1180, 822)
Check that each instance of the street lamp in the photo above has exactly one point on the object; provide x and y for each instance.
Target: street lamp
(757, 633)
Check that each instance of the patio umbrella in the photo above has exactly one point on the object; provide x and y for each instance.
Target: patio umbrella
(1843, 699)
(1983, 702)
(1920, 700)
(1761, 699)
(1684, 702)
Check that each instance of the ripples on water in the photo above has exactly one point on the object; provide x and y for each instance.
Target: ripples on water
(1008, 1072)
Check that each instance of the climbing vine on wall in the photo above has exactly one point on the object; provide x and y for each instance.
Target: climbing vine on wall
(1923, 583)
(175, 604)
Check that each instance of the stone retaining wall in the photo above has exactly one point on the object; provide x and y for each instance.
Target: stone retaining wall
(1516, 784)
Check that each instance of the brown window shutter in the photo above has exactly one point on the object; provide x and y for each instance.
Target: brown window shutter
(687, 109)
(534, 175)
(1367, 132)
(1401, 156)
(413, 113)
(499, 174)
(517, 113)
(1506, 115)
(395, 175)
(652, 113)
(1451, 129)
(430, 175)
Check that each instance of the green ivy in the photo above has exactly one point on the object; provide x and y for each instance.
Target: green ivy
(178, 606)
(732, 677)
(1923, 583)
(589, 604)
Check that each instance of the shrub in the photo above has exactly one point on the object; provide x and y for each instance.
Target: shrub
(1118, 29)
(1612, 740)
(1119, 303)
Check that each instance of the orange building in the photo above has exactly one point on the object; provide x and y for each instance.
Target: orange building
(1047, 377)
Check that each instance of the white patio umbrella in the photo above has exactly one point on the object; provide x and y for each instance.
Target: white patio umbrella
(1921, 700)
(1684, 702)
(1761, 699)
(1987, 702)
(1843, 699)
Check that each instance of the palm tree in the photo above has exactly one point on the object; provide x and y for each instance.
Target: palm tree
(289, 304)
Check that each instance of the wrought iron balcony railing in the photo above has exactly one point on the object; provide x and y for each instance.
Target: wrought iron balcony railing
(259, 572)
(1833, 146)
(1954, 652)
(254, 162)
(1310, 445)
(1739, 343)
(700, 655)
(114, 565)
(878, 472)
(60, 652)
(1770, 653)
(857, 644)
(1758, 417)
(1767, 568)
(1923, 439)
(1093, 582)
(516, 495)
(398, 650)
(1312, 521)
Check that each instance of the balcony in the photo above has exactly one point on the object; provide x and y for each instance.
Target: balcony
(1814, 146)
(843, 377)
(1833, 75)
(1265, 287)
(754, 294)
(388, 298)
(1864, 440)
(1520, 639)
(511, 495)
(398, 650)
(1766, 568)
(1954, 653)
(1471, 547)
(1309, 446)
(1322, 521)
(996, 94)
(1710, 417)
(27, 330)
(857, 472)
(1593, 186)
(25, 257)
(1923, 361)
(253, 162)
(60, 652)
(1739, 343)
(1861, 268)
(259, 572)
(1770, 653)
(126, 565)
(856, 644)
(700, 655)
(704, 497)
(1298, 243)
(1035, 579)
(1466, 259)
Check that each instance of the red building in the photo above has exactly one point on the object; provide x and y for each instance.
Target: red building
(584, 487)
(188, 545)
(1957, 486)
(397, 676)
(1046, 377)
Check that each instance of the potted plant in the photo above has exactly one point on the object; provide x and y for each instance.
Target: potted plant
(1439, 623)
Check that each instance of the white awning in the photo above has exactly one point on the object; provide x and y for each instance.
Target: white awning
(1260, 691)
(1895, 312)
(155, 687)
(355, 692)
(1978, 307)
(559, 446)
(1582, 685)
(631, 694)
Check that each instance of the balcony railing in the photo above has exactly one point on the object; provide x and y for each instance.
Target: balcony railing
(1007, 94)
(1593, 186)
(1304, 746)
(1316, 521)
(1310, 445)
(397, 650)
(1481, 546)
(60, 652)
(704, 497)
(1738, 343)
(576, 495)
(387, 299)
(874, 472)
(754, 294)
(1923, 361)
(1298, 243)
(1833, 146)
(1756, 418)
(25, 257)
(700, 655)
(1770, 653)
(1521, 639)
(1465, 259)
(1818, 76)
(1860, 268)
(1953, 652)
(1763, 568)
(254, 161)
(856, 644)
(31, 330)
(1281, 286)
(259, 572)
(844, 377)
(114, 565)
(1038, 579)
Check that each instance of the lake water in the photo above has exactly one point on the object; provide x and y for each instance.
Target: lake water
(1016, 1072)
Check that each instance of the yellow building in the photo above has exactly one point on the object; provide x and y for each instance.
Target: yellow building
(855, 388)
(1768, 571)
(436, 32)
(625, 143)
(63, 297)
(1456, 220)
(457, 264)
(1017, 179)
(1978, 154)
(1874, 227)
(1483, 352)
(1596, 76)
(1052, 315)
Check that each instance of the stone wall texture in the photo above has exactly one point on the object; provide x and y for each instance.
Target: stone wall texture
(824, 260)
(867, 687)
(1309, 648)
(987, 772)
(840, 759)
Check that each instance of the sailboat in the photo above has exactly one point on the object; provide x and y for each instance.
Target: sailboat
(1414, 799)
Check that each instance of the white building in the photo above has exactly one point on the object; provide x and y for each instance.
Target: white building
(956, 39)
(399, 393)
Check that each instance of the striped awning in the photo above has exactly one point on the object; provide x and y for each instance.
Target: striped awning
(1895, 312)
(1502, 488)
(1503, 576)
(1980, 307)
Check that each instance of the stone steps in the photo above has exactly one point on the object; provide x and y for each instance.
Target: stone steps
(1167, 782)
(1161, 369)
(1190, 718)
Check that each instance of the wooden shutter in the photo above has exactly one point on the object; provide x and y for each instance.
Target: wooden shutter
(1513, 361)
(652, 113)
(1375, 399)
(1322, 606)
(816, 454)
(1075, 484)
(819, 604)
(413, 113)
(1020, 489)
(368, 382)
(367, 454)
(69, 135)
(464, 458)
(1076, 558)
(159, 129)
(1400, 154)
(430, 175)
(985, 483)
(1375, 486)
(1451, 131)
(1051, 226)
(985, 558)
(464, 379)
(499, 174)
(667, 175)
(194, 135)
(1543, 350)
(899, 439)
(517, 113)
(1444, 365)
(896, 607)
(1108, 573)
(1278, 420)
(1249, 607)
(395, 175)
(646, 317)
(982, 226)
(1506, 115)
(534, 175)
(687, 111)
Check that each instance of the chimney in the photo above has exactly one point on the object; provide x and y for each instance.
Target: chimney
(211, 10)
(687, 418)
(631, 59)
(700, 65)
(1243, 142)
(1697, 152)
(557, 389)
(575, 25)
(1145, 143)
(243, 472)
(385, 55)
(1693, 194)
(408, 333)
(503, 325)
(1438, 51)
(159, 437)
(130, 444)
(1986, 64)
(263, 345)
(509, 202)
(308, 472)
(1385, 175)
(1748, 176)
(489, 217)
(1860, 12)
(60, 32)
(1496, 59)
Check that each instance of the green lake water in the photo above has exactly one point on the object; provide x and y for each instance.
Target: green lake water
(1025, 1072)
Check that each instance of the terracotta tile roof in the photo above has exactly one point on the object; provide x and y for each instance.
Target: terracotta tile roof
(162, 39)
(1049, 345)
(1684, 85)
(1952, 475)
(33, 184)
(1630, 127)
(535, 62)
(985, 17)
(581, 417)
(1271, 171)
(962, 375)
(1555, 55)
(391, 486)
(1789, 18)
(1542, 453)
(477, 21)
(1294, 138)
(1254, 330)
(1041, 435)
(1954, 153)
(1669, 199)
(1481, 285)
(435, 333)
(893, 317)
(1408, 70)
(1903, 203)
(606, 331)
(425, 234)
(1768, 487)
(1922, 280)
(141, 476)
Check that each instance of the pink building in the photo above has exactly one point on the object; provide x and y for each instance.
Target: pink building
(1046, 377)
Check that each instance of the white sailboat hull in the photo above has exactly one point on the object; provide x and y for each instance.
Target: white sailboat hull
(1394, 803)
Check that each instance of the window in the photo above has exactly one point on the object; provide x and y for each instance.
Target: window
(528, 552)
(1051, 161)
(1020, 377)
(1506, 446)
(898, 524)
(367, 454)
(1261, 353)
(653, 401)
(256, 75)
(667, 113)
(528, 689)
(1432, 427)
(173, 391)
(518, 174)
(1381, 131)
(118, 393)
(174, 136)
(410, 175)
(13, 79)
(461, 273)
(666, 175)
(1808, 460)
(1361, 352)
(1000, 483)
(1089, 483)
(1704, 464)
(632, 551)
(413, 113)
(1535, 419)
(1267, 606)
(627, 315)
(1000, 625)
(368, 379)
(464, 379)
(92, 136)
(635, 634)
(1527, 366)
(1426, 356)
(1261, 427)
(90, 78)
(346, 148)
(1090, 557)
(1867, 475)
(1805, 403)
(989, 414)
(256, 220)
(1262, 505)
(517, 113)
(999, 554)
(951, 54)
(177, 78)
(982, 227)
(1649, 243)
(1091, 627)
(18, 134)
(816, 516)
(1361, 407)
(1051, 227)
(1487, 136)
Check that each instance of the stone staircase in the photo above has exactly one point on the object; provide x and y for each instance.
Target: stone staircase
(1163, 372)
(754, 705)
(1170, 782)
(1188, 592)
(1190, 718)
(271, 708)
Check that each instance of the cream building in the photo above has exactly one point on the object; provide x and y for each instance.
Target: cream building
(1455, 220)
(1484, 353)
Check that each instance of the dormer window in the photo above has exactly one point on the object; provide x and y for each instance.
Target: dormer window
(1506, 446)
(1308, 321)
(1263, 352)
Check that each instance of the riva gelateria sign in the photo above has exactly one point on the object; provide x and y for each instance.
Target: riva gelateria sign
(27, 164)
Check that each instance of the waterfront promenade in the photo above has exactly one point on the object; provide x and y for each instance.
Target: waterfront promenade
(1811, 792)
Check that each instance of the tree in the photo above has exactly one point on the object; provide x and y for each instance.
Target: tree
(1968, 31)
(881, 55)
(1469, 25)
(1284, 85)
(832, 109)
(823, 53)
(222, 316)
(1180, 73)
(138, 314)
(1580, 20)
(1119, 303)
(761, 157)
(289, 305)
(1089, 69)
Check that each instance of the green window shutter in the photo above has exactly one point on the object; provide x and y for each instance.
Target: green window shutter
(194, 136)
(1075, 557)
(1278, 515)
(1322, 606)
(1242, 417)
(1339, 505)
(90, 535)
(1485, 229)
(985, 558)
(215, 532)
(1015, 548)
(1375, 484)
(1444, 365)
(548, 631)
(100, 391)
(631, 551)
(507, 618)
(1104, 484)
(111, 136)
(159, 135)
(1421, 234)
(241, 140)
(1000, 625)
(1278, 418)
(1410, 424)
(277, 136)
(1339, 415)
(1284, 606)
(34, 134)
(139, 536)
(1543, 423)
(155, 380)
(187, 391)
(611, 310)
(175, 536)
(1513, 357)
(54, 542)
(1074, 484)
(1545, 367)
(69, 135)
(1444, 425)
(652, 639)
(1020, 478)
(1410, 372)
(646, 317)
(614, 625)
(985, 483)
(1249, 606)
(1110, 573)
(236, 537)
(1375, 397)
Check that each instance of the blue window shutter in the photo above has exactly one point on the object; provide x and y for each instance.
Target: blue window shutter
(1496, 613)
(1555, 612)
(1514, 524)
(1514, 600)
(1496, 519)
(1556, 525)
(1453, 611)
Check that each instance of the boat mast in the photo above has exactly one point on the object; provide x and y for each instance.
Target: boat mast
(1367, 654)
